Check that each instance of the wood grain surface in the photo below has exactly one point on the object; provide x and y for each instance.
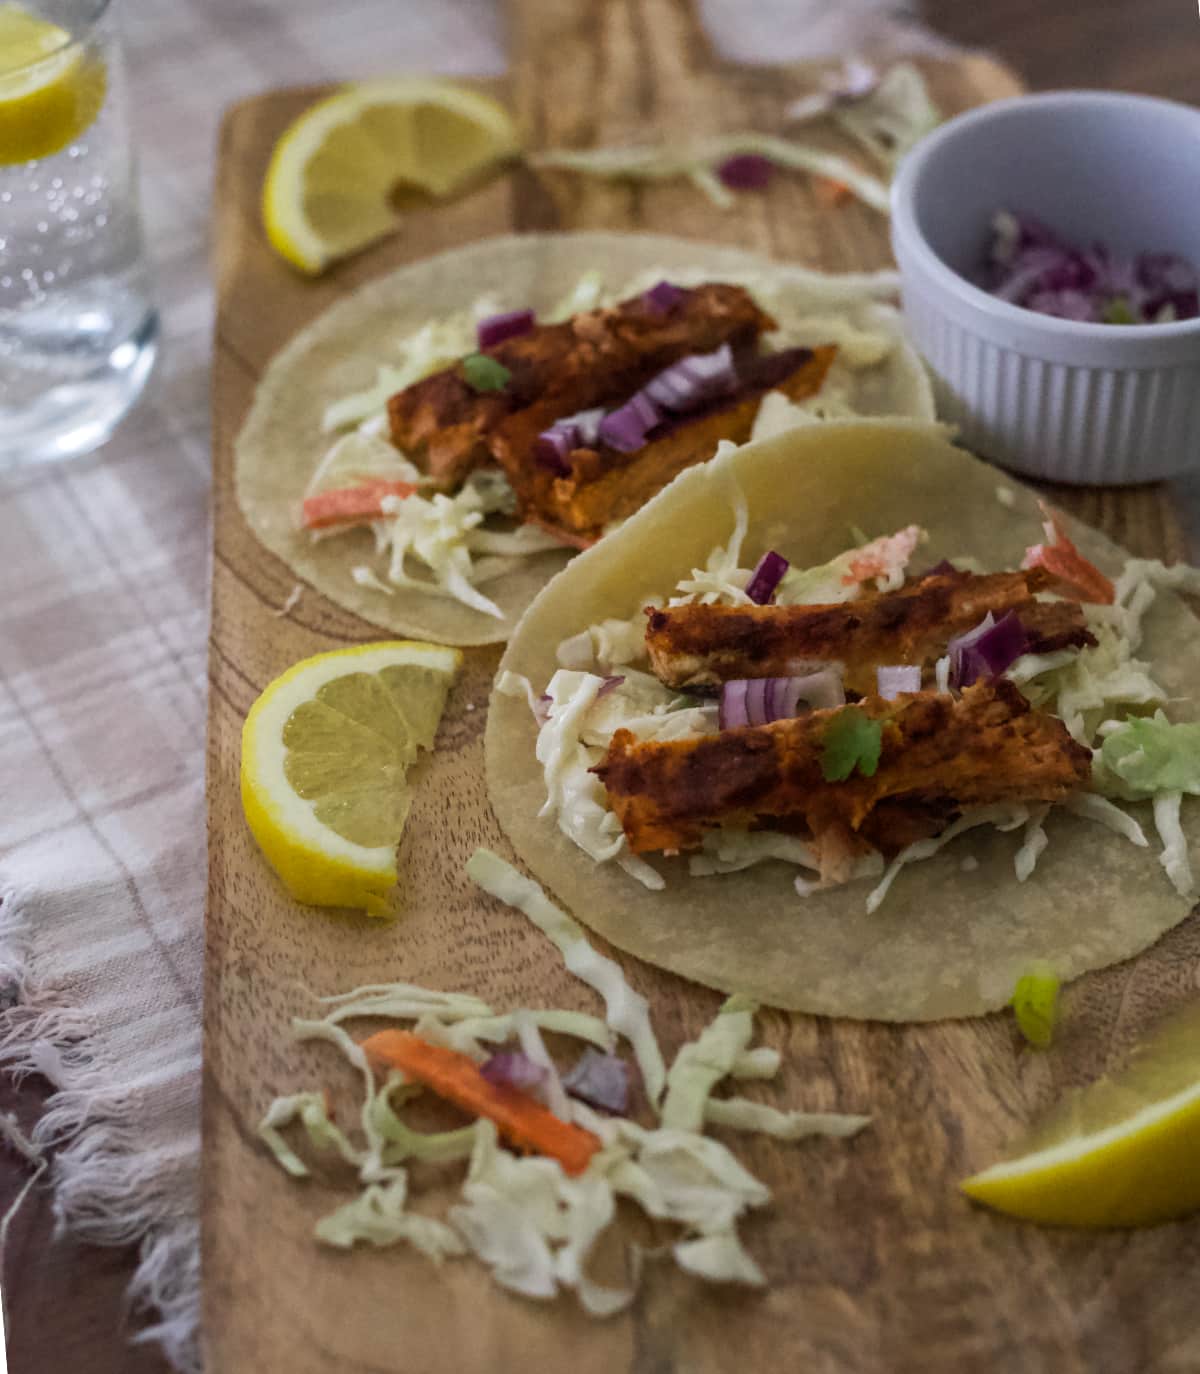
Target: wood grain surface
(875, 1262)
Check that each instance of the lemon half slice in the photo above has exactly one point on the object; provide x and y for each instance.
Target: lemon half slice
(50, 89)
(325, 753)
(1121, 1152)
(332, 182)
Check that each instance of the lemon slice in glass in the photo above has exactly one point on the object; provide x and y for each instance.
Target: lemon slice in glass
(51, 89)
(325, 755)
(1121, 1152)
(336, 172)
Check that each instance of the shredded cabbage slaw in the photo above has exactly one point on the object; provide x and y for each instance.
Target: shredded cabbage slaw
(533, 1226)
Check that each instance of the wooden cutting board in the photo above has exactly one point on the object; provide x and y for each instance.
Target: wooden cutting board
(875, 1262)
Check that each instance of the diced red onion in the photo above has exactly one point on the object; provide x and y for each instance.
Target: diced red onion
(891, 681)
(662, 298)
(553, 448)
(759, 701)
(987, 650)
(626, 428)
(602, 1080)
(512, 1069)
(496, 328)
(1029, 265)
(587, 423)
(731, 713)
(555, 445)
(766, 577)
(746, 172)
(541, 708)
(610, 684)
(943, 569)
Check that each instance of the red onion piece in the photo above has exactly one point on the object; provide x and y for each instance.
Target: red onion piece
(891, 681)
(766, 577)
(587, 423)
(496, 328)
(610, 684)
(662, 298)
(746, 172)
(602, 1080)
(987, 650)
(541, 708)
(1030, 265)
(943, 569)
(626, 428)
(512, 1069)
(553, 447)
(731, 712)
(759, 701)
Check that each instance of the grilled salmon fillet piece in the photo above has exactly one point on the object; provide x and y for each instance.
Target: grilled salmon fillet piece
(702, 646)
(940, 754)
(601, 485)
(598, 356)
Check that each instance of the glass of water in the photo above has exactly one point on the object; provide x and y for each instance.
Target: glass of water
(78, 329)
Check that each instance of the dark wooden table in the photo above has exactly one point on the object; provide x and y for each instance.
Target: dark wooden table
(66, 1301)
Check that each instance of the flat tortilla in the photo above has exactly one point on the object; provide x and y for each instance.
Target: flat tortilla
(281, 442)
(946, 942)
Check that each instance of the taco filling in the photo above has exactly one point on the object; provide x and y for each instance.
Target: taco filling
(552, 432)
(753, 716)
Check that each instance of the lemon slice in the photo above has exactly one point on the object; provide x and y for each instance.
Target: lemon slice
(325, 753)
(335, 173)
(50, 89)
(1121, 1152)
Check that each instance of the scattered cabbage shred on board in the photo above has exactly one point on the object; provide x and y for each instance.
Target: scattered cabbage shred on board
(531, 1224)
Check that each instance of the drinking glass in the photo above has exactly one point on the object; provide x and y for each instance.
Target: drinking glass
(78, 329)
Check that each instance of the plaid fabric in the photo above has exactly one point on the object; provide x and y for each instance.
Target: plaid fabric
(103, 602)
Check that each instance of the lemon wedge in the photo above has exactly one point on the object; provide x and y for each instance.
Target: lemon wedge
(334, 176)
(325, 755)
(1121, 1152)
(50, 88)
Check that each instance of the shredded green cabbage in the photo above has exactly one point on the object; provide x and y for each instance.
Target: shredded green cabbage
(700, 1065)
(377, 1216)
(627, 1012)
(740, 1114)
(1147, 755)
(534, 1227)
(719, 1258)
(699, 160)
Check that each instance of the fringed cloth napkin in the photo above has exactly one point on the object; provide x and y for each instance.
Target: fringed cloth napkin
(103, 608)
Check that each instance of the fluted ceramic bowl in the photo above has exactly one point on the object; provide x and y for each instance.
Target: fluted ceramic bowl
(1070, 401)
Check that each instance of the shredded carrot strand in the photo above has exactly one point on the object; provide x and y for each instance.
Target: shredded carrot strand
(1065, 562)
(520, 1118)
(351, 505)
(830, 192)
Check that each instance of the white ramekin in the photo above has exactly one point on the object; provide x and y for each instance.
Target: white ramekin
(1055, 398)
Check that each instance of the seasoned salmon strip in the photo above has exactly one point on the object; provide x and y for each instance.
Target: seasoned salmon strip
(701, 646)
(597, 357)
(940, 754)
(603, 485)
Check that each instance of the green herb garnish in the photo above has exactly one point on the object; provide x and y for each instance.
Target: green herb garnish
(852, 740)
(483, 373)
(1035, 1004)
(1119, 311)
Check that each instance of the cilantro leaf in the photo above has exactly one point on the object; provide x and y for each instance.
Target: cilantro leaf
(483, 373)
(852, 740)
